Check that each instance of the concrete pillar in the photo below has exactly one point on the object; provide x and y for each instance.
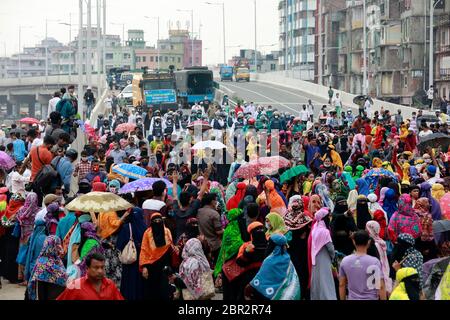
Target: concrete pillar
(9, 108)
(32, 109)
(16, 109)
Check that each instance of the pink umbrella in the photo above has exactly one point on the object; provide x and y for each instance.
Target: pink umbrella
(445, 206)
(125, 127)
(274, 162)
(29, 121)
(6, 162)
(204, 125)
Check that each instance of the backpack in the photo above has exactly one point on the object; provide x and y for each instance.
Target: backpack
(46, 176)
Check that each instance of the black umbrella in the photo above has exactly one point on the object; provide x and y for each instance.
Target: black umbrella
(429, 118)
(360, 100)
(19, 131)
(435, 140)
(440, 226)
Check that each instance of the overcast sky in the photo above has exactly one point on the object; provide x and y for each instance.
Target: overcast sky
(239, 22)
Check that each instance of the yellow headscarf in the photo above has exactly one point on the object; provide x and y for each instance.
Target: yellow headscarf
(437, 191)
(377, 163)
(406, 178)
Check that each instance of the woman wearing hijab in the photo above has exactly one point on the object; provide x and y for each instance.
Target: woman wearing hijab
(435, 208)
(299, 224)
(363, 187)
(342, 225)
(379, 216)
(89, 243)
(273, 199)
(408, 285)
(382, 195)
(405, 255)
(26, 216)
(351, 200)
(315, 204)
(275, 224)
(425, 244)
(9, 243)
(374, 205)
(390, 203)
(277, 278)
(196, 272)
(36, 243)
(322, 191)
(155, 256)
(250, 257)
(362, 213)
(321, 249)
(52, 218)
(48, 278)
(192, 231)
(132, 282)
(405, 220)
(234, 201)
(373, 228)
(231, 242)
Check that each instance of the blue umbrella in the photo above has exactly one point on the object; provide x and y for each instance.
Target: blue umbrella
(130, 171)
(372, 177)
(143, 184)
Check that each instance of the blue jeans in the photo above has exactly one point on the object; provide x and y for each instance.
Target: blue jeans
(89, 107)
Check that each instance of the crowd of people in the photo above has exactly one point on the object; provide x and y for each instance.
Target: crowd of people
(335, 207)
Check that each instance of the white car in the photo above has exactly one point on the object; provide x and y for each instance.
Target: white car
(126, 93)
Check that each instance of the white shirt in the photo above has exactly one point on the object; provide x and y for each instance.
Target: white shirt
(40, 216)
(337, 102)
(423, 133)
(430, 93)
(304, 115)
(310, 109)
(132, 119)
(108, 103)
(52, 105)
(16, 182)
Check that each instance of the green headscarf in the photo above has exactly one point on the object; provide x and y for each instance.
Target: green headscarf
(277, 223)
(359, 172)
(231, 240)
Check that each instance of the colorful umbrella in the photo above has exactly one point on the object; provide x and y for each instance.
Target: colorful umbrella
(204, 125)
(275, 161)
(6, 162)
(293, 172)
(248, 170)
(99, 202)
(372, 177)
(29, 121)
(125, 127)
(434, 140)
(130, 171)
(209, 144)
(143, 184)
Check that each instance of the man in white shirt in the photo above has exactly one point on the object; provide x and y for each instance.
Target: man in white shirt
(132, 117)
(311, 110)
(53, 102)
(425, 131)
(368, 108)
(337, 104)
(304, 115)
(430, 96)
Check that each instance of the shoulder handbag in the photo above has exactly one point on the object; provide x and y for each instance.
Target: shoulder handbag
(207, 285)
(129, 253)
(232, 270)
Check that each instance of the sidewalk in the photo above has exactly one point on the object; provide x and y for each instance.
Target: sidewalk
(11, 291)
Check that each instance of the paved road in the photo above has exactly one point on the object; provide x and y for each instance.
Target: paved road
(11, 291)
(282, 98)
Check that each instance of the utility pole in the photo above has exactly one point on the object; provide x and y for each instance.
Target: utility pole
(286, 35)
(364, 50)
(89, 44)
(99, 46)
(104, 38)
(192, 35)
(319, 44)
(433, 5)
(224, 38)
(256, 43)
(80, 53)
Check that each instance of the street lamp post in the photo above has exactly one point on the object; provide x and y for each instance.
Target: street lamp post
(192, 33)
(223, 27)
(256, 47)
(433, 5)
(364, 50)
(157, 43)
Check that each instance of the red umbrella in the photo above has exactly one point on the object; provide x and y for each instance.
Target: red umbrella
(201, 124)
(262, 166)
(275, 161)
(248, 170)
(29, 121)
(125, 127)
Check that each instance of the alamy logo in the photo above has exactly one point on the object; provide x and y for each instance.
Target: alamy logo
(374, 279)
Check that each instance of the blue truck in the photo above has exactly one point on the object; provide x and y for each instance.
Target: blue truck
(226, 73)
(158, 90)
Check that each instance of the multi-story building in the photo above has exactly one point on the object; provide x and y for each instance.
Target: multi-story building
(297, 37)
(328, 17)
(442, 52)
(147, 57)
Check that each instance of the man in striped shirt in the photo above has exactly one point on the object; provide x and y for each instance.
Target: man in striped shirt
(83, 167)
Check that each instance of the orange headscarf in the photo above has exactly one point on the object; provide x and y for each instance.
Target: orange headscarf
(252, 226)
(108, 224)
(150, 253)
(315, 204)
(274, 198)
